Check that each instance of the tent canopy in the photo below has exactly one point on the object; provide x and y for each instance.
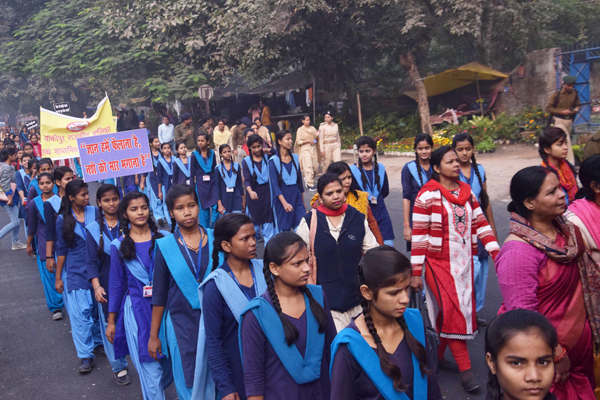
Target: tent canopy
(452, 79)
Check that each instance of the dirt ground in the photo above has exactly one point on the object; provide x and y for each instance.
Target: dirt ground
(500, 166)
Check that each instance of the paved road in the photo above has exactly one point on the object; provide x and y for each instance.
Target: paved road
(37, 355)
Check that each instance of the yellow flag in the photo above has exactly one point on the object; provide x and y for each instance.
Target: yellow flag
(59, 133)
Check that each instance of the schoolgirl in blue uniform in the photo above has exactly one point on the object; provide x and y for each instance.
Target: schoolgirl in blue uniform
(182, 262)
(128, 183)
(415, 174)
(366, 365)
(62, 176)
(37, 230)
(258, 192)
(100, 234)
(130, 293)
(43, 165)
(286, 184)
(372, 178)
(286, 333)
(202, 170)
(164, 173)
(473, 174)
(71, 272)
(229, 183)
(181, 165)
(224, 294)
(149, 184)
(24, 177)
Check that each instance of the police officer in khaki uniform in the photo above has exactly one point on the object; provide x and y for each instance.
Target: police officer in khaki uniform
(592, 146)
(563, 106)
(330, 144)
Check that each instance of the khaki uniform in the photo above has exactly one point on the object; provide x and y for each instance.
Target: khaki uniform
(307, 153)
(330, 143)
(567, 100)
(592, 146)
(191, 141)
(264, 133)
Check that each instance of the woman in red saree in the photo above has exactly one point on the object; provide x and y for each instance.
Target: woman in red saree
(538, 269)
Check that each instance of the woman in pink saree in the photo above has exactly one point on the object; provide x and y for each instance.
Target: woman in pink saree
(538, 269)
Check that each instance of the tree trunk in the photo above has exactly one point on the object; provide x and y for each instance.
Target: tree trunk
(407, 61)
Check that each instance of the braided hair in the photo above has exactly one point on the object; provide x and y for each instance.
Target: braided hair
(66, 206)
(484, 199)
(176, 192)
(380, 268)
(421, 137)
(504, 328)
(128, 245)
(281, 248)
(225, 229)
(338, 168)
(436, 160)
(279, 136)
(369, 141)
(589, 172)
(102, 190)
(547, 139)
(252, 139)
(221, 148)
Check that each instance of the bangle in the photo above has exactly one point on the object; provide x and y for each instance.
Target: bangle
(96, 287)
(561, 357)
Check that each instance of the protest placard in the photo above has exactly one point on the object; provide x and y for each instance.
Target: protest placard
(31, 124)
(114, 155)
(62, 108)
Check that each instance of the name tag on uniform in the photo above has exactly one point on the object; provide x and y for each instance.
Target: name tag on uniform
(206, 178)
(147, 291)
(187, 182)
(373, 200)
(230, 190)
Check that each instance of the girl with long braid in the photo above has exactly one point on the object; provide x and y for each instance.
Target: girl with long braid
(255, 168)
(202, 172)
(36, 231)
(132, 258)
(473, 174)
(520, 349)
(181, 166)
(414, 175)
(382, 353)
(149, 184)
(183, 260)
(285, 326)
(71, 278)
(372, 178)
(164, 173)
(553, 149)
(100, 234)
(224, 294)
(286, 184)
(229, 182)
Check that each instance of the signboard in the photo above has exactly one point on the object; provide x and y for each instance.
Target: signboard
(62, 108)
(114, 155)
(31, 124)
(205, 92)
(59, 133)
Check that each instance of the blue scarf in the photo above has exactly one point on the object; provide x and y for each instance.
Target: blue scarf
(473, 181)
(368, 360)
(89, 214)
(205, 165)
(168, 166)
(228, 176)
(95, 229)
(54, 201)
(204, 386)
(302, 370)
(412, 168)
(183, 167)
(289, 178)
(262, 176)
(371, 187)
(136, 268)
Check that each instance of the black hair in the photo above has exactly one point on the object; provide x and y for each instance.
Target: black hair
(369, 141)
(378, 269)
(31, 163)
(326, 179)
(484, 199)
(7, 152)
(249, 130)
(175, 192)
(151, 139)
(420, 138)
(589, 171)
(177, 147)
(257, 118)
(221, 148)
(165, 144)
(279, 136)
(26, 155)
(204, 120)
(102, 190)
(436, 160)
(226, 228)
(27, 144)
(252, 139)
(66, 206)
(547, 139)
(526, 184)
(46, 175)
(43, 161)
(128, 245)
(281, 248)
(505, 327)
(338, 168)
(207, 136)
(60, 172)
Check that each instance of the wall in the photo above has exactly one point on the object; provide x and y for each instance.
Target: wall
(535, 88)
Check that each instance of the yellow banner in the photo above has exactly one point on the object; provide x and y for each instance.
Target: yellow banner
(59, 133)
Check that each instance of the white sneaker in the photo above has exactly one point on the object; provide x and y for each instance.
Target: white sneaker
(57, 315)
(18, 246)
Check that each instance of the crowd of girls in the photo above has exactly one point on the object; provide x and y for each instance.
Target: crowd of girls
(191, 304)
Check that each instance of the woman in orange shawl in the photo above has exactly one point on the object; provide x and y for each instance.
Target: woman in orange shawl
(553, 149)
(354, 197)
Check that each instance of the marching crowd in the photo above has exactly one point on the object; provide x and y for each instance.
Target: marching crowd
(163, 267)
